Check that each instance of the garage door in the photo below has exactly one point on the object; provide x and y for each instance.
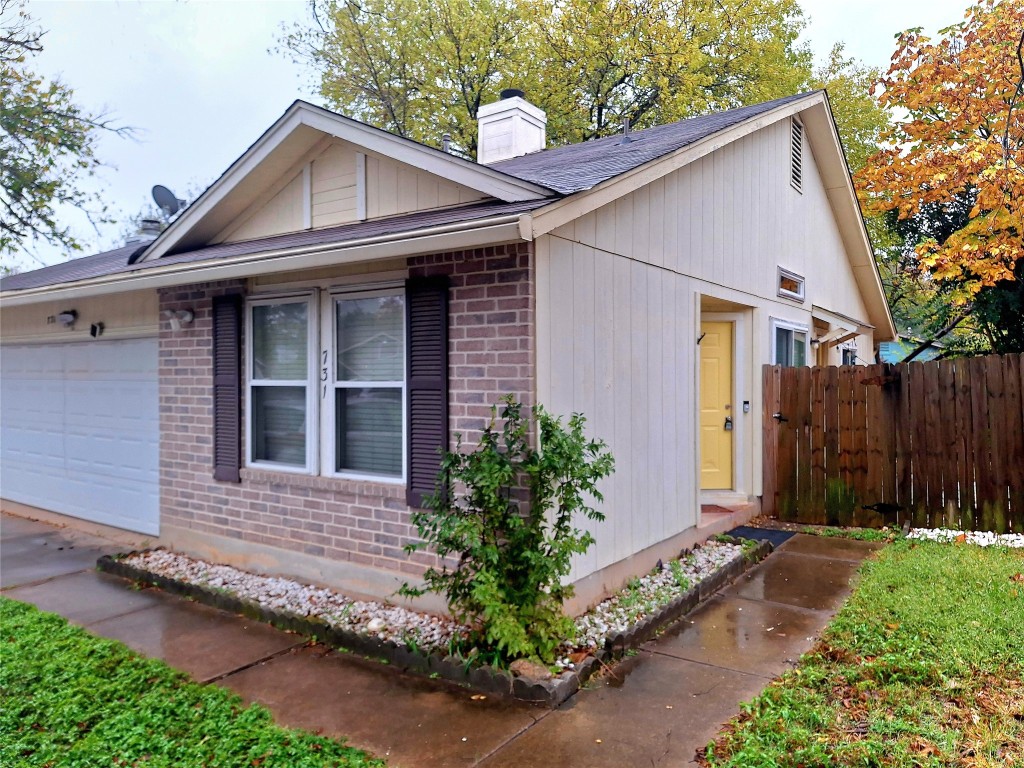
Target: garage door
(79, 430)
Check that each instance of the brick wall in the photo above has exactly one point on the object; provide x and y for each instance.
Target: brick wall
(491, 353)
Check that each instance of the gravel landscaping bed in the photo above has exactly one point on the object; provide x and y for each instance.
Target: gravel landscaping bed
(980, 538)
(426, 643)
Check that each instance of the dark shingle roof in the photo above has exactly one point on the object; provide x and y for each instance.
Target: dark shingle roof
(566, 170)
(81, 268)
(116, 260)
(577, 167)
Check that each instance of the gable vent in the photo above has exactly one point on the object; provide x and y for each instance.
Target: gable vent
(796, 169)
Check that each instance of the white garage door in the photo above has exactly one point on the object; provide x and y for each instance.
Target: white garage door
(79, 430)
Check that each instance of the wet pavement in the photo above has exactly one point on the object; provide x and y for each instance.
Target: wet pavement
(656, 708)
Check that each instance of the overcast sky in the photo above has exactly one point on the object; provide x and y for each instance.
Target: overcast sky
(200, 81)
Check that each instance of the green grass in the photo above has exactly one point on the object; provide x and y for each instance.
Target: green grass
(70, 699)
(923, 666)
(858, 534)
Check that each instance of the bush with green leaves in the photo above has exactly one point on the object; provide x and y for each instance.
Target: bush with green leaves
(504, 517)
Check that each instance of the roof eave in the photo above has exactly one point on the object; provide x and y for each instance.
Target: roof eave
(453, 237)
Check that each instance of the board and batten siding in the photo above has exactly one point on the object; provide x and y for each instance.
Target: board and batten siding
(340, 185)
(393, 188)
(628, 278)
(608, 346)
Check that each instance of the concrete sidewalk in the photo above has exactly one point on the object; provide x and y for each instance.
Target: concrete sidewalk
(656, 708)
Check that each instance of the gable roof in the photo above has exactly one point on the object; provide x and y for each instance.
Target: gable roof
(290, 140)
(543, 189)
(577, 167)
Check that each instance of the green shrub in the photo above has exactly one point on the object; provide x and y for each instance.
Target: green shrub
(505, 513)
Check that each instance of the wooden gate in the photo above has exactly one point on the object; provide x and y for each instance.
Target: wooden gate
(940, 443)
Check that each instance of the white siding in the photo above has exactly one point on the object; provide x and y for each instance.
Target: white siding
(628, 280)
(325, 190)
(393, 188)
(131, 314)
(282, 213)
(334, 186)
(623, 365)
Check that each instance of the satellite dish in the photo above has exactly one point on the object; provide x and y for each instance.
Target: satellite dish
(166, 200)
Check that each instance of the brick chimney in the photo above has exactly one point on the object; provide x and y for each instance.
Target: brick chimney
(509, 128)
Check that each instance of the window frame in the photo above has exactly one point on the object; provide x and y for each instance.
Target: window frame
(793, 327)
(328, 386)
(312, 344)
(321, 381)
(848, 348)
(785, 293)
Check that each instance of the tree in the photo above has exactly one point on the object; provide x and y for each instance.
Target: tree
(47, 143)
(416, 69)
(600, 62)
(857, 113)
(423, 69)
(963, 135)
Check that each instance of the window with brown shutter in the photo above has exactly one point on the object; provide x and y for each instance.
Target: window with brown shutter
(427, 387)
(360, 394)
(227, 340)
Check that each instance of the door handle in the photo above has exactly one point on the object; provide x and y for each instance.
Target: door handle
(728, 423)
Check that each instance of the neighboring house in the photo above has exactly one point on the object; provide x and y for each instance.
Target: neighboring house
(268, 382)
(898, 350)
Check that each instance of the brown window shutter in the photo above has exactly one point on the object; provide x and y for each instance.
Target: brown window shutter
(227, 389)
(426, 307)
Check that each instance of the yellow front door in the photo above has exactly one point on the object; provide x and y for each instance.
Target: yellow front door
(716, 412)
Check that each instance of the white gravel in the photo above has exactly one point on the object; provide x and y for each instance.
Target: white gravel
(387, 622)
(645, 595)
(981, 538)
(642, 597)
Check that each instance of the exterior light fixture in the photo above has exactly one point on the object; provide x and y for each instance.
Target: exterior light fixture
(179, 318)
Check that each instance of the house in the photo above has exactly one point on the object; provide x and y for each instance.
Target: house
(268, 381)
(898, 350)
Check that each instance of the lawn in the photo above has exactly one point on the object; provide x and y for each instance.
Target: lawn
(923, 666)
(70, 699)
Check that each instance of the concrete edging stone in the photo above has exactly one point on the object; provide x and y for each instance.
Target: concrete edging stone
(456, 669)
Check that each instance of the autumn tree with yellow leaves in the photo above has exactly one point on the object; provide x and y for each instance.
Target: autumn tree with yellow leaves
(958, 135)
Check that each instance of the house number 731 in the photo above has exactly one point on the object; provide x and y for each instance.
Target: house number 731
(323, 373)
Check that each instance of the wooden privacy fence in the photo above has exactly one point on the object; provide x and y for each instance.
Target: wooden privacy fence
(940, 443)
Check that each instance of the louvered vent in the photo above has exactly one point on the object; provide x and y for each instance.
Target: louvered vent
(227, 358)
(796, 171)
(426, 302)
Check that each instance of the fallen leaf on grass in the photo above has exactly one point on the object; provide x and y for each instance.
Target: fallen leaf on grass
(1018, 577)
(924, 748)
(961, 538)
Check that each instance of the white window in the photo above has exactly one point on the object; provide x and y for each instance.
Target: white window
(365, 393)
(326, 384)
(849, 353)
(790, 285)
(789, 343)
(280, 393)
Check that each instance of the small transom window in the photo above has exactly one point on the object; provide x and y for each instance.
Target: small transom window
(791, 285)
